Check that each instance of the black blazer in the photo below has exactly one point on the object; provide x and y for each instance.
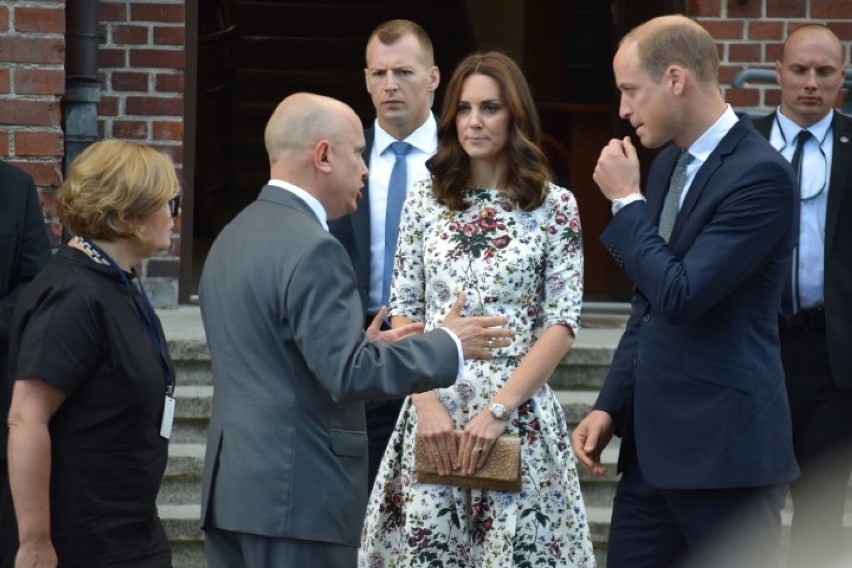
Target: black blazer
(353, 232)
(24, 250)
(838, 252)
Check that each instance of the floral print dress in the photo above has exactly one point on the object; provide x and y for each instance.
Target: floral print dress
(527, 266)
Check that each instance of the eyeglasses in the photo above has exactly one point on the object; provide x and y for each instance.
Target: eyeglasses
(174, 205)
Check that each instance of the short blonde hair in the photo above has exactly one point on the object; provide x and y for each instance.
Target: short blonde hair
(110, 185)
(390, 32)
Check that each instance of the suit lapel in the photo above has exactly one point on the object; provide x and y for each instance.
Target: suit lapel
(764, 124)
(708, 169)
(840, 165)
(361, 216)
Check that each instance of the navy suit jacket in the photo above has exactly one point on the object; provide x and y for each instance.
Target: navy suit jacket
(838, 252)
(353, 232)
(696, 387)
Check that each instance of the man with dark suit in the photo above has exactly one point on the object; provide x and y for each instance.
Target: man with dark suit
(696, 388)
(286, 464)
(401, 78)
(816, 320)
(24, 249)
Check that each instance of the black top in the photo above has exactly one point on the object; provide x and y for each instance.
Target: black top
(76, 328)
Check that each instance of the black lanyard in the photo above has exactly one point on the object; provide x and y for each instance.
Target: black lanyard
(146, 314)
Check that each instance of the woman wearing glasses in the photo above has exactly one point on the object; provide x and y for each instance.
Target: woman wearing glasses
(91, 377)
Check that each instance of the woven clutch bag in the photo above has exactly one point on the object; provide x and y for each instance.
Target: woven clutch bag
(501, 472)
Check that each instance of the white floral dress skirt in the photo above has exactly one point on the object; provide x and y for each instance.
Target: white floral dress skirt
(527, 266)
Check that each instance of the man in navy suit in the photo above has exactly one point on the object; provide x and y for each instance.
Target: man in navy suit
(816, 321)
(401, 78)
(696, 388)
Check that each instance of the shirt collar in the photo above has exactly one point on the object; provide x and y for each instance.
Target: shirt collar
(309, 199)
(789, 129)
(424, 138)
(707, 142)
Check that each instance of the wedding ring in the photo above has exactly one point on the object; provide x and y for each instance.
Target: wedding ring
(478, 450)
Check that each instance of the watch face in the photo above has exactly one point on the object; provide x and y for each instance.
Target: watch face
(498, 410)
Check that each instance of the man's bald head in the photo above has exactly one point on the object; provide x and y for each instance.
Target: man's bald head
(302, 120)
(813, 33)
(316, 143)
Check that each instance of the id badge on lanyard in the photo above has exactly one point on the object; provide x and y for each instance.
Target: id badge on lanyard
(168, 417)
(148, 318)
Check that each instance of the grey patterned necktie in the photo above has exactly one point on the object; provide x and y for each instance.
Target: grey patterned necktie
(672, 202)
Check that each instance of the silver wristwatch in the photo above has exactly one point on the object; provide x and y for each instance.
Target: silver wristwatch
(498, 411)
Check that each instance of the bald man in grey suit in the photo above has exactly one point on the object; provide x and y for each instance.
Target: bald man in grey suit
(286, 465)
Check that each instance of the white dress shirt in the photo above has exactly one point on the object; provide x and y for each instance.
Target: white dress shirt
(309, 199)
(816, 178)
(424, 142)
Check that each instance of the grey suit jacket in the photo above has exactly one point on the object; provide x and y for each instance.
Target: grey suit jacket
(838, 253)
(287, 442)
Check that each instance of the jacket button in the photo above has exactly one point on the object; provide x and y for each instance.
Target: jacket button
(646, 318)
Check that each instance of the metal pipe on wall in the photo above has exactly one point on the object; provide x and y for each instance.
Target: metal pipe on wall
(82, 89)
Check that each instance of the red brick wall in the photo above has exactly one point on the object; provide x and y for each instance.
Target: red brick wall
(32, 81)
(141, 62)
(751, 33)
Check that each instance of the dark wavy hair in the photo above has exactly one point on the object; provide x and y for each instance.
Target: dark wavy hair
(528, 171)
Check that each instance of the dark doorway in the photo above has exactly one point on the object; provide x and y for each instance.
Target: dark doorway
(249, 54)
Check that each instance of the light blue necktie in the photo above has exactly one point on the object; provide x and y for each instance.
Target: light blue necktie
(397, 188)
(672, 203)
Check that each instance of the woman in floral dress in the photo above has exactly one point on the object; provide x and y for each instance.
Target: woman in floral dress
(489, 224)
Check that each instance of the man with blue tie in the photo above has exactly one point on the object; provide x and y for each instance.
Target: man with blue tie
(816, 320)
(401, 78)
(696, 389)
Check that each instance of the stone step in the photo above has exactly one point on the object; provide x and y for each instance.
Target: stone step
(182, 480)
(192, 416)
(193, 407)
(183, 526)
(576, 383)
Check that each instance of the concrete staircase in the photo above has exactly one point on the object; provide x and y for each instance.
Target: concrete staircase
(576, 382)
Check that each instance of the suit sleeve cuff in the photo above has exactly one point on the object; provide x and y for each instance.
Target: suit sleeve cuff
(618, 204)
(460, 373)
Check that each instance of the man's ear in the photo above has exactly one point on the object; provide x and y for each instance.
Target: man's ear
(367, 80)
(434, 79)
(322, 152)
(676, 79)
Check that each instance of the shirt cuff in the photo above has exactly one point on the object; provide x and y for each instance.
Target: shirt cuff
(619, 203)
(460, 374)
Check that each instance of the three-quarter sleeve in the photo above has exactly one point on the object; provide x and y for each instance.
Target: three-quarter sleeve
(563, 277)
